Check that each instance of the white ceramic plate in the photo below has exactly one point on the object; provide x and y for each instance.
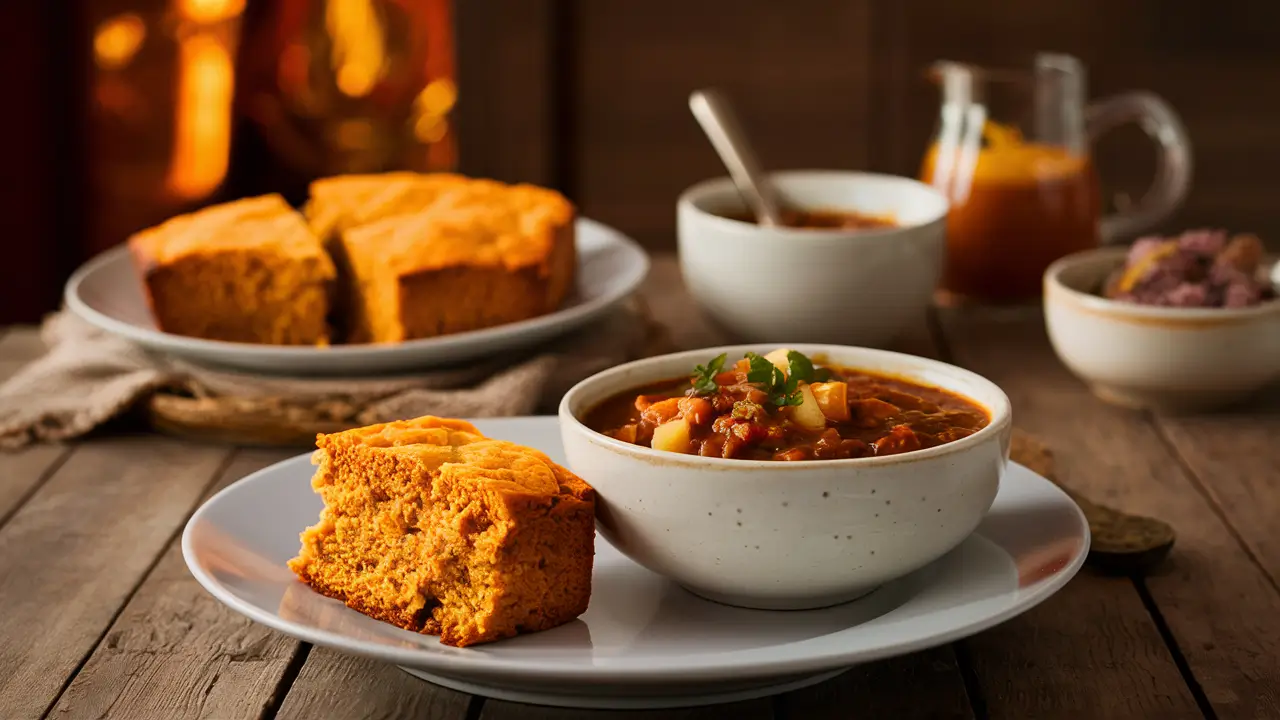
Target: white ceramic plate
(107, 292)
(643, 642)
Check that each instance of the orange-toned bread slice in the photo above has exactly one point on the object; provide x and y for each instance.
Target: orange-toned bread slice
(431, 255)
(432, 527)
(245, 271)
(342, 202)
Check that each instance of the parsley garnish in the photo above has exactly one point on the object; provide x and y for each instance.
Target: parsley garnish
(783, 389)
(801, 366)
(704, 377)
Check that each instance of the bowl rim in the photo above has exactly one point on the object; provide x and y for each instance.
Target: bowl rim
(1057, 290)
(1001, 414)
(690, 196)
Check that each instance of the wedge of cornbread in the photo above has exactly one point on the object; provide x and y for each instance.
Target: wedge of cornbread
(246, 271)
(432, 527)
(430, 255)
(342, 202)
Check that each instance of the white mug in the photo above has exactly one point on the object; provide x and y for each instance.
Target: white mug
(835, 286)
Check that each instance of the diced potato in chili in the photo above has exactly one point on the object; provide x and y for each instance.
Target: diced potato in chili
(833, 398)
(784, 406)
(673, 436)
(808, 414)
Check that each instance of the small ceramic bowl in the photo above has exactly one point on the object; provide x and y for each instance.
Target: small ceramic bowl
(787, 535)
(851, 287)
(1157, 358)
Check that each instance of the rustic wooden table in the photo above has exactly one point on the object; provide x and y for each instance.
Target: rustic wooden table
(99, 617)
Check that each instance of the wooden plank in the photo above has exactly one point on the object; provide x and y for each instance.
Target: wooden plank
(801, 84)
(176, 652)
(1100, 650)
(1235, 461)
(343, 687)
(921, 685)
(507, 98)
(747, 710)
(23, 471)
(74, 553)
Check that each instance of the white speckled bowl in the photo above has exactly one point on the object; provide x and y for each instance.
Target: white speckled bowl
(1158, 358)
(767, 284)
(787, 535)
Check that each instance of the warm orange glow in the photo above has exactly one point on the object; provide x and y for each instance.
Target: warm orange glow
(210, 11)
(202, 134)
(438, 97)
(430, 128)
(359, 49)
(432, 106)
(354, 135)
(117, 40)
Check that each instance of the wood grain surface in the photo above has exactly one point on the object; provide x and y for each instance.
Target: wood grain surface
(101, 619)
(175, 652)
(1210, 596)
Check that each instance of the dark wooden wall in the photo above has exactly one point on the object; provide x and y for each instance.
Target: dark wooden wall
(589, 96)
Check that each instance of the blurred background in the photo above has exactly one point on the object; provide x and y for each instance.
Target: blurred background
(121, 113)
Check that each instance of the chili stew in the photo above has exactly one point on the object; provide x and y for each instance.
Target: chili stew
(781, 406)
(825, 220)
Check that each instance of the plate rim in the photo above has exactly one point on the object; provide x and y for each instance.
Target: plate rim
(485, 665)
(628, 283)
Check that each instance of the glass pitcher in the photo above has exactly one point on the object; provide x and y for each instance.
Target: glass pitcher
(1012, 153)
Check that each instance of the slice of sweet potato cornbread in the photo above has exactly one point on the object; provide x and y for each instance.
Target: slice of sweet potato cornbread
(430, 255)
(340, 203)
(245, 271)
(432, 527)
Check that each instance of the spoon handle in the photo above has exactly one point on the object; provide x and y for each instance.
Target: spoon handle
(719, 122)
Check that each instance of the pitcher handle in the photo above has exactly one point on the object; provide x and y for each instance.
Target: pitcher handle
(1173, 163)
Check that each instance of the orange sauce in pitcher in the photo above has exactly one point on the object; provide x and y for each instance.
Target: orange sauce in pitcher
(1026, 205)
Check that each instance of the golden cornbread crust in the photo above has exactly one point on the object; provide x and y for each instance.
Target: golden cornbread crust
(432, 527)
(247, 271)
(435, 254)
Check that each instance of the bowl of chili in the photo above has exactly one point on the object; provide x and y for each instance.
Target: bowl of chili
(856, 262)
(787, 478)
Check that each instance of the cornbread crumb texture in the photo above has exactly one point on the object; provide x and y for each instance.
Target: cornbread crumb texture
(245, 271)
(427, 255)
(434, 528)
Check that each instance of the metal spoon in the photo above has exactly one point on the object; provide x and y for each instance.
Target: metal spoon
(718, 121)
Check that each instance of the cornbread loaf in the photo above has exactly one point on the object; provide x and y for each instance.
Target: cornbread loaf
(427, 255)
(432, 527)
(339, 203)
(246, 271)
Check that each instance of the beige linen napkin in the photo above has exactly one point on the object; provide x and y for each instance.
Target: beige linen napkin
(88, 377)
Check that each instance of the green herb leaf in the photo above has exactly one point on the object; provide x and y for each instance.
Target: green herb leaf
(801, 366)
(704, 376)
(782, 390)
(761, 372)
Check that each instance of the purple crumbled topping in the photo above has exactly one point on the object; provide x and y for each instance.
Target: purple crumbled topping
(1206, 243)
(1187, 295)
(1199, 268)
(1227, 274)
(1241, 295)
(1143, 247)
